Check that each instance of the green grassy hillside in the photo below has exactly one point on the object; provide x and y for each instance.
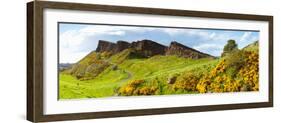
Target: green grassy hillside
(123, 68)
(128, 74)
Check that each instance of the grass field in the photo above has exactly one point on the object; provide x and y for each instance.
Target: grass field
(104, 85)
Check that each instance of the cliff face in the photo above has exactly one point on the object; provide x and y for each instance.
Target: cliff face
(121, 45)
(105, 46)
(148, 48)
(112, 47)
(145, 48)
(181, 50)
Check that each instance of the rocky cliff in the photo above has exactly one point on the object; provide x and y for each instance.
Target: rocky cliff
(121, 45)
(105, 46)
(145, 48)
(181, 50)
(148, 48)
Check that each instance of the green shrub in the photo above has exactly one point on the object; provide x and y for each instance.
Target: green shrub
(229, 47)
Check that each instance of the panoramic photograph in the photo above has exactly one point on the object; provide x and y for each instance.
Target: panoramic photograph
(102, 60)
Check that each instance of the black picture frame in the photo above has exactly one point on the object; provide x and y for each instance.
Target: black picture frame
(35, 63)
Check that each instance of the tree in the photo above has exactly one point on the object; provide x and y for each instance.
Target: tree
(229, 47)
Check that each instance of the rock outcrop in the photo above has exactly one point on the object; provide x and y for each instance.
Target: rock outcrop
(181, 50)
(120, 46)
(112, 47)
(148, 48)
(105, 46)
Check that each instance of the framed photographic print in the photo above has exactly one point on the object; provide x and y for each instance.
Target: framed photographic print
(96, 61)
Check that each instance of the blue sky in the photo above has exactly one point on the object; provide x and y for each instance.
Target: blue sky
(77, 40)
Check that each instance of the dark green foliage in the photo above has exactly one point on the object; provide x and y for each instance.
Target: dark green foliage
(235, 59)
(229, 47)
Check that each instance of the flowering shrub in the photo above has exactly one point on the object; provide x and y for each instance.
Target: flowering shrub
(250, 72)
(237, 71)
(135, 88)
(147, 91)
(130, 88)
(187, 81)
(227, 76)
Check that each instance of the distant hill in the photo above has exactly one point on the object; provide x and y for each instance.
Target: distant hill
(63, 66)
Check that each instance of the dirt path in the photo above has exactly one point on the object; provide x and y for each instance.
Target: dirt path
(130, 75)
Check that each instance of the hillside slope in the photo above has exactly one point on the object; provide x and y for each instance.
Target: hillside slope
(252, 47)
(109, 54)
(134, 72)
(124, 68)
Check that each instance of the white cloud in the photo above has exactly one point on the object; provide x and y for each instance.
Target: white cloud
(173, 32)
(245, 36)
(71, 57)
(254, 38)
(208, 46)
(212, 42)
(71, 40)
(119, 33)
(213, 49)
(213, 35)
(206, 35)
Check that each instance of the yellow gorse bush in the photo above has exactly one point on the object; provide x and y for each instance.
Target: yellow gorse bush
(133, 88)
(218, 80)
(234, 72)
(187, 82)
(250, 72)
(147, 91)
(130, 88)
